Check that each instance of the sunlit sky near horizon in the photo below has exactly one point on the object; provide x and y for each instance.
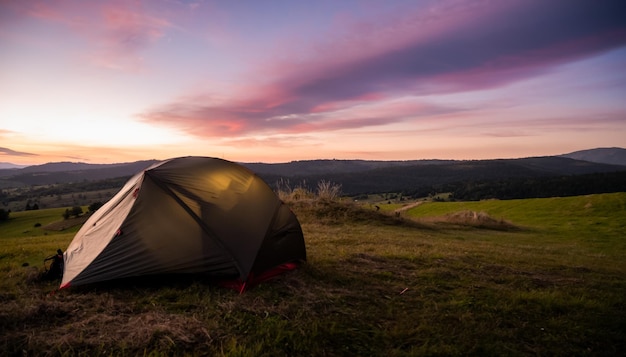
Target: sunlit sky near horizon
(276, 81)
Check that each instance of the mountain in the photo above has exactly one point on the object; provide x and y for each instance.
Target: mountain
(65, 166)
(532, 166)
(8, 165)
(364, 176)
(67, 172)
(613, 156)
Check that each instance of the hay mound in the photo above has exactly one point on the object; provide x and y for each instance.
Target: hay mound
(475, 219)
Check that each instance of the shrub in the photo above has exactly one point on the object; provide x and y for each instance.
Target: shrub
(4, 215)
(76, 211)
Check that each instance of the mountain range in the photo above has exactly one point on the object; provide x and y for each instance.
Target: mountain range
(355, 176)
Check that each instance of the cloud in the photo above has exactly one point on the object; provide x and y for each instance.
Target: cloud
(48, 11)
(117, 31)
(9, 152)
(476, 47)
(483, 53)
(123, 34)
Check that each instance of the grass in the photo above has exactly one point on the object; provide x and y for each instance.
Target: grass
(374, 284)
(593, 223)
(26, 241)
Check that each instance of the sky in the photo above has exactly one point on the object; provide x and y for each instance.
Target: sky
(278, 81)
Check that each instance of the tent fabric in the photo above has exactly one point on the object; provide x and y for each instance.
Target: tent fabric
(186, 215)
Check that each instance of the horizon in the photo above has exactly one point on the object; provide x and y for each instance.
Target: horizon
(2, 163)
(105, 82)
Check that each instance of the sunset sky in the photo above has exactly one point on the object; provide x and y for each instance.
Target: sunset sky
(276, 81)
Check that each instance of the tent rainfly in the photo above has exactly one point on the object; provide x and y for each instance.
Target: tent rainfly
(188, 215)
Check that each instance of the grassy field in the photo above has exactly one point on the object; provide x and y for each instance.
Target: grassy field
(514, 278)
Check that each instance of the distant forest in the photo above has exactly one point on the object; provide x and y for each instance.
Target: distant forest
(357, 185)
(537, 187)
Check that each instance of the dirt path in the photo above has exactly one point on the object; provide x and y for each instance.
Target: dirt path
(66, 223)
(408, 207)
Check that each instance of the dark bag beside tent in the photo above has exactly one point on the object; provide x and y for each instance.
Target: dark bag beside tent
(56, 266)
(188, 215)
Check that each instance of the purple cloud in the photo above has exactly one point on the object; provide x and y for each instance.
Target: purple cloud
(505, 47)
(472, 49)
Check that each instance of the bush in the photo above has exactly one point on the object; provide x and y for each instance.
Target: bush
(4, 215)
(75, 211)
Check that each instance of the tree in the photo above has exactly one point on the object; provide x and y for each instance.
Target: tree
(94, 206)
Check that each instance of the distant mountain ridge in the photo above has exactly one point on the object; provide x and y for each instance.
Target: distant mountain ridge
(8, 165)
(613, 156)
(355, 176)
(65, 166)
(67, 172)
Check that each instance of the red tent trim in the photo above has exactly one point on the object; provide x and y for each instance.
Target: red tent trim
(253, 280)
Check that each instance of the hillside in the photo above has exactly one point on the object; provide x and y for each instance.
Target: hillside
(331, 167)
(428, 176)
(373, 285)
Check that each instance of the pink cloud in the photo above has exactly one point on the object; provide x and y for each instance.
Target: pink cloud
(130, 30)
(122, 35)
(338, 105)
(283, 141)
(117, 32)
(12, 12)
(44, 11)
(452, 47)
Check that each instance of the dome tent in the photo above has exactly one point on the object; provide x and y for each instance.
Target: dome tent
(188, 215)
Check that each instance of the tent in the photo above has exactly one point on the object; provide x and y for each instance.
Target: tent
(188, 215)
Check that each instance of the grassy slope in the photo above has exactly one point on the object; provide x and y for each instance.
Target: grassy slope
(371, 286)
(593, 223)
(24, 242)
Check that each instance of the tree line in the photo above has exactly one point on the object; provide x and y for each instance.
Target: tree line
(533, 187)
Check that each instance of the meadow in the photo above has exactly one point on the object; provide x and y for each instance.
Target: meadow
(515, 278)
